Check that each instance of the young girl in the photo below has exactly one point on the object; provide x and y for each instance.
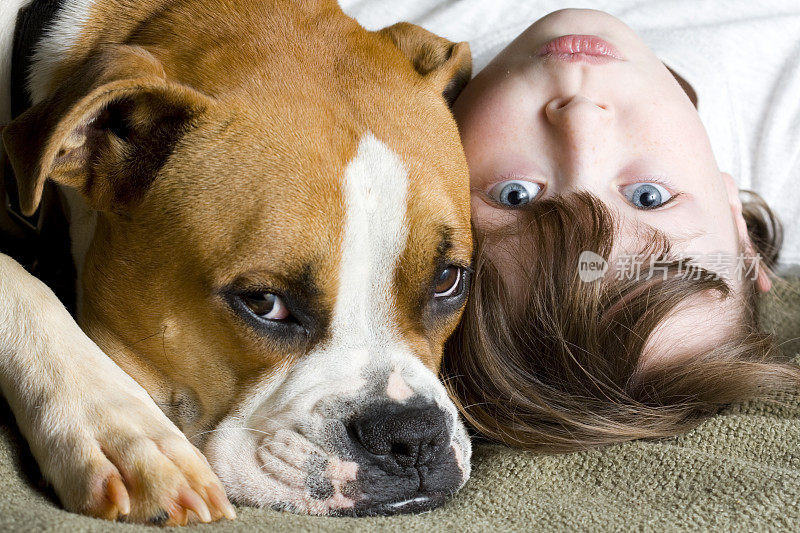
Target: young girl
(617, 268)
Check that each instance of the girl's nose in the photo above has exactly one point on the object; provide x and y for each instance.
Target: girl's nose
(576, 110)
(584, 132)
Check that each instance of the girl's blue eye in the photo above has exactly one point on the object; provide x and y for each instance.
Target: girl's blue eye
(515, 193)
(646, 195)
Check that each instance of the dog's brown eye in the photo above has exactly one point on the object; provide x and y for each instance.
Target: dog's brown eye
(448, 282)
(266, 305)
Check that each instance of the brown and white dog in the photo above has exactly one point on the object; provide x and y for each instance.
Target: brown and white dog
(269, 213)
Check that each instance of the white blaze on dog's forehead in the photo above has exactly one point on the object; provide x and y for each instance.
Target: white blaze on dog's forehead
(363, 332)
(396, 387)
(58, 39)
(375, 231)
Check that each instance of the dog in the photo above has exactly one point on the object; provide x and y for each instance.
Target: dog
(268, 211)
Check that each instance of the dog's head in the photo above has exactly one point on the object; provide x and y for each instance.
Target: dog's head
(281, 247)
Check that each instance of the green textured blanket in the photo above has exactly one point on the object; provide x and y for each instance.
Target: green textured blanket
(739, 470)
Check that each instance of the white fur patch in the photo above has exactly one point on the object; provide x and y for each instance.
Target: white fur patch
(60, 36)
(376, 187)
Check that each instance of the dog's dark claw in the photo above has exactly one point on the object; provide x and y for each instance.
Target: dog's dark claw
(160, 518)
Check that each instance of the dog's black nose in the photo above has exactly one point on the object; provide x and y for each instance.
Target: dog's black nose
(411, 436)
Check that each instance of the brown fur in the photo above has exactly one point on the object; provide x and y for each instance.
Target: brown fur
(254, 143)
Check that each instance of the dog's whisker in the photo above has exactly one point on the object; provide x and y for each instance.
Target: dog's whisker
(217, 430)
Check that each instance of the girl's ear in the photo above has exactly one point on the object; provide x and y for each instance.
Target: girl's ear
(763, 283)
(736, 207)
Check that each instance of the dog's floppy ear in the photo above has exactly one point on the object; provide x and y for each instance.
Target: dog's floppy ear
(446, 64)
(106, 130)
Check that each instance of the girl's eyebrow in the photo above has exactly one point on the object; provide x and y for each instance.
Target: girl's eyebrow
(683, 235)
(686, 236)
(680, 235)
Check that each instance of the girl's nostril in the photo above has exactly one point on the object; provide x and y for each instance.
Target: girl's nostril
(558, 104)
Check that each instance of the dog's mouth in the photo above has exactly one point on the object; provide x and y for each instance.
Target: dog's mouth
(364, 450)
(390, 459)
(417, 504)
(406, 454)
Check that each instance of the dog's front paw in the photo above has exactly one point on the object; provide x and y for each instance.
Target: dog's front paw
(125, 460)
(110, 452)
(98, 437)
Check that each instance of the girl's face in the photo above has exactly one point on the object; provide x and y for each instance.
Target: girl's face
(578, 101)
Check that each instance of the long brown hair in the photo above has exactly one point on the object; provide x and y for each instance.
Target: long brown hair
(553, 363)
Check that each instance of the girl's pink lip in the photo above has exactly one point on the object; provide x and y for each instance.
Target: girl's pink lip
(588, 48)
